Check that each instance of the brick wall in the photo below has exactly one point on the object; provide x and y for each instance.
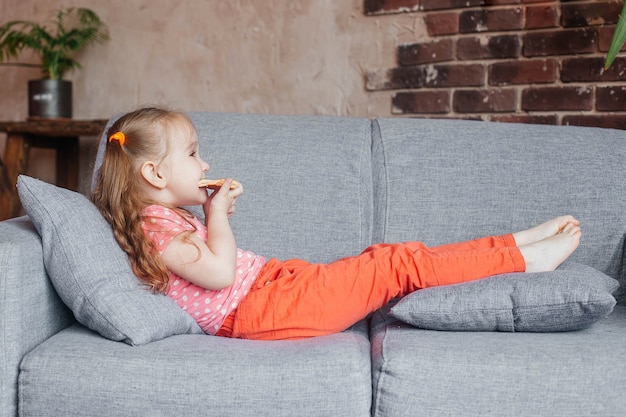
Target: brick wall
(526, 61)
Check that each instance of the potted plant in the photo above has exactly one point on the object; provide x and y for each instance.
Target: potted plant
(55, 43)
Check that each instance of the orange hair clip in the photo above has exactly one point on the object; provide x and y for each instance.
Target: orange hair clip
(118, 136)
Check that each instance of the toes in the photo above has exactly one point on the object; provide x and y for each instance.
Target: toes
(571, 229)
(566, 223)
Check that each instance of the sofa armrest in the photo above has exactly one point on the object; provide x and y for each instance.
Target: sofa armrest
(30, 310)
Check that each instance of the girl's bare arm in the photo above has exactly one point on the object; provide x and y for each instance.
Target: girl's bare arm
(209, 264)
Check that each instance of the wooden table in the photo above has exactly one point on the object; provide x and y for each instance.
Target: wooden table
(59, 134)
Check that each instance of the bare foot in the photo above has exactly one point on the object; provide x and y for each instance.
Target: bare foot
(544, 230)
(548, 254)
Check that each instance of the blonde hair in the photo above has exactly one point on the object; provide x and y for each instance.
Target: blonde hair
(117, 192)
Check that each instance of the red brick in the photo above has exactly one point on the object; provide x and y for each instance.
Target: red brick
(611, 98)
(424, 102)
(557, 98)
(390, 6)
(501, 46)
(604, 120)
(425, 53)
(560, 42)
(605, 37)
(526, 118)
(454, 75)
(498, 2)
(485, 101)
(522, 72)
(590, 13)
(484, 20)
(449, 4)
(395, 79)
(592, 69)
(541, 17)
(446, 23)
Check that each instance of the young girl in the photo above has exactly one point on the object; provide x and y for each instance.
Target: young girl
(152, 167)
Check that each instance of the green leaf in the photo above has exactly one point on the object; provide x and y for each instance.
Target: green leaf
(619, 37)
(69, 31)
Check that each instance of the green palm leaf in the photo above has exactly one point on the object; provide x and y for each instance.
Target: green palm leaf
(619, 37)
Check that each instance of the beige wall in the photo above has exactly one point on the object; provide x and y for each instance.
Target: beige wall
(270, 56)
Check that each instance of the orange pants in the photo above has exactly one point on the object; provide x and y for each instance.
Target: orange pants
(295, 299)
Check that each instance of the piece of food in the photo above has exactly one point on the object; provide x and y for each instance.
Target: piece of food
(215, 184)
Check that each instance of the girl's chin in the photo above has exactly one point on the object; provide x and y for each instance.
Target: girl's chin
(195, 202)
(203, 199)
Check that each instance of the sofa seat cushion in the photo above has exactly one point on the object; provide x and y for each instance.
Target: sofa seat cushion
(469, 374)
(78, 373)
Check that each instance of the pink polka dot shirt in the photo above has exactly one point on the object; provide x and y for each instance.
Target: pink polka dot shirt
(208, 307)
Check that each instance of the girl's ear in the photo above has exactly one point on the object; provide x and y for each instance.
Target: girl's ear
(150, 172)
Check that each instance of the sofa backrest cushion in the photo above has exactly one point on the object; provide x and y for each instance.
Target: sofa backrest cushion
(307, 181)
(442, 181)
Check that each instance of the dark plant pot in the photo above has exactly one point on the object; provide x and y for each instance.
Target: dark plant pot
(50, 99)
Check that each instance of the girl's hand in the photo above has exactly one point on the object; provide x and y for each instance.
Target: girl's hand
(214, 269)
(223, 200)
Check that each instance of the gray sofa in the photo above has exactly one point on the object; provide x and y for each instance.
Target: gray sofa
(320, 188)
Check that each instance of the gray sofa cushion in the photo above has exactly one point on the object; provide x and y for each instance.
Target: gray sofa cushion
(307, 181)
(77, 373)
(90, 271)
(444, 181)
(570, 298)
(498, 374)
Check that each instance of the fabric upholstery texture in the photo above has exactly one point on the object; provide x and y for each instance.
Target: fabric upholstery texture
(444, 181)
(571, 298)
(473, 374)
(195, 375)
(312, 173)
(90, 271)
(23, 324)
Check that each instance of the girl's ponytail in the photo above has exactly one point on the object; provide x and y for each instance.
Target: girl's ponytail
(118, 195)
